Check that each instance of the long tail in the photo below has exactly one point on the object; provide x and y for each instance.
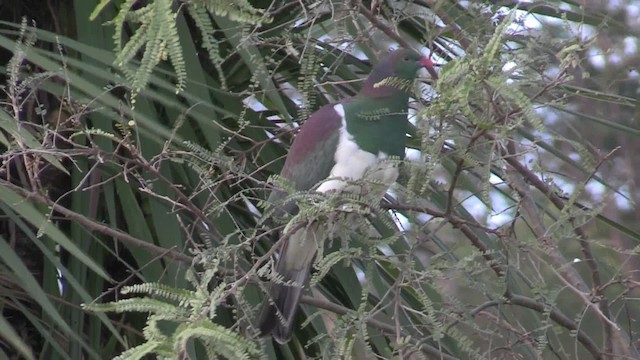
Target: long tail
(280, 307)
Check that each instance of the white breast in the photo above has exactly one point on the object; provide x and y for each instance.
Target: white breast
(353, 163)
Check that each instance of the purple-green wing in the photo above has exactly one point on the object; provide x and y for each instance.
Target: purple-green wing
(311, 155)
(310, 159)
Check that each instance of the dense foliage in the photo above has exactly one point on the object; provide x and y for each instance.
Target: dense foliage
(140, 140)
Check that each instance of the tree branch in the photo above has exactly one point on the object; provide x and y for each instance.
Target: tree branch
(386, 328)
(555, 315)
(98, 227)
(382, 26)
(613, 332)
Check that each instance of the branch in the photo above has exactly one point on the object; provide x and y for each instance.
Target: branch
(98, 227)
(386, 328)
(452, 25)
(554, 314)
(460, 224)
(613, 332)
(452, 218)
(382, 26)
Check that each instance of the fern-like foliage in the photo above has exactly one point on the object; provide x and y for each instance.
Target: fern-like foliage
(468, 86)
(192, 311)
(374, 115)
(157, 38)
(157, 34)
(240, 11)
(203, 21)
(398, 83)
(308, 70)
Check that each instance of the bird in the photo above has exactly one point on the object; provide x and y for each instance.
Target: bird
(339, 144)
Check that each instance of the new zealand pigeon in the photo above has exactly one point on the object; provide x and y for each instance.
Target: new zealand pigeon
(338, 144)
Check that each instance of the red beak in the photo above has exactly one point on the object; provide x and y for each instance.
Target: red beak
(428, 64)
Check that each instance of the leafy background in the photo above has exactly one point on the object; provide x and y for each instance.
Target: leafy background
(140, 139)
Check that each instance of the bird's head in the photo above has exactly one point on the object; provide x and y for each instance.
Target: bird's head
(401, 64)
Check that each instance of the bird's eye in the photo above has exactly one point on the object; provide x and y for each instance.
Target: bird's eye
(406, 58)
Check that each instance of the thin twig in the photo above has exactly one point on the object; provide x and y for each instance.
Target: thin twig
(382, 26)
(613, 331)
(101, 228)
(463, 225)
(555, 315)
(386, 328)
